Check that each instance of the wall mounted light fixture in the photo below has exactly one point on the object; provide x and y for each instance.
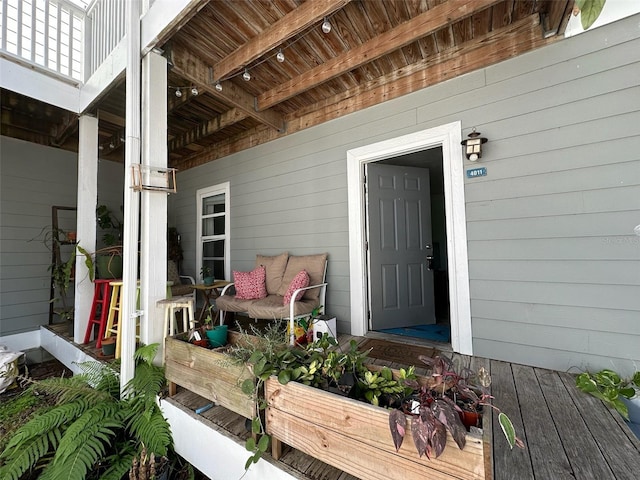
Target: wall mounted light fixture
(473, 145)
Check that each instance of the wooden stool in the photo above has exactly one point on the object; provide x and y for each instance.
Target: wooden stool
(171, 305)
(99, 310)
(114, 314)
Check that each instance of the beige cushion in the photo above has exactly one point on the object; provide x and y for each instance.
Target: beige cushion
(179, 290)
(313, 264)
(229, 303)
(272, 307)
(275, 267)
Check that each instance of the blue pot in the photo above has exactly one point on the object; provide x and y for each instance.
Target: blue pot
(218, 336)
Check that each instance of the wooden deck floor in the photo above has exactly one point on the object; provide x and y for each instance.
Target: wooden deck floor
(568, 434)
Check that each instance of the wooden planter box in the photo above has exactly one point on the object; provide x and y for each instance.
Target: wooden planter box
(354, 437)
(209, 373)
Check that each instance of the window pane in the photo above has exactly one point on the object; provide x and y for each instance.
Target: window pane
(213, 226)
(213, 204)
(218, 269)
(213, 249)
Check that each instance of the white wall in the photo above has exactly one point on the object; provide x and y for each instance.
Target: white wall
(554, 265)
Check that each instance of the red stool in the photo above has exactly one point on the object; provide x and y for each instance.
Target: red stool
(98, 316)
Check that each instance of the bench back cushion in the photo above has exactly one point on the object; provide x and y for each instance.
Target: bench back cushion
(275, 267)
(313, 264)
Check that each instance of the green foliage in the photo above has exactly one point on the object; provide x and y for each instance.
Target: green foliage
(590, 11)
(91, 430)
(507, 429)
(609, 387)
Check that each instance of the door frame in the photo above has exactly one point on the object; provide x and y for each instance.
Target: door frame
(447, 136)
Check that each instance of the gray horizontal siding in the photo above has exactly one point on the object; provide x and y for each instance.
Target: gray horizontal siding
(552, 256)
(33, 179)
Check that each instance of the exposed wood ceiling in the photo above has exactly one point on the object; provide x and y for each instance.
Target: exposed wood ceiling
(376, 50)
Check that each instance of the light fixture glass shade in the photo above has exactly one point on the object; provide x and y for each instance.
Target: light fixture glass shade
(246, 75)
(326, 26)
(194, 91)
(218, 86)
(473, 146)
(178, 93)
(280, 56)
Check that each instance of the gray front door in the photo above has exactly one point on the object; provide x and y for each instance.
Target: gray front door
(399, 239)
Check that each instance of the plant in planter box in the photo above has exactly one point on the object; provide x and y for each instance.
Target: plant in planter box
(439, 405)
(611, 388)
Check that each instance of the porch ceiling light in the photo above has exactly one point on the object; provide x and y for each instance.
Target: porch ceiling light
(473, 145)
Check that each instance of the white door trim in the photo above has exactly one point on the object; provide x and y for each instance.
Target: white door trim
(449, 137)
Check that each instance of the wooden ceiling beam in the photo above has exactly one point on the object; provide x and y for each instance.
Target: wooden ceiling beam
(206, 128)
(276, 34)
(511, 41)
(111, 118)
(196, 71)
(61, 132)
(421, 26)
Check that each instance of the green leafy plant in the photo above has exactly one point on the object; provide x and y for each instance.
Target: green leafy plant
(590, 10)
(92, 431)
(610, 387)
(109, 223)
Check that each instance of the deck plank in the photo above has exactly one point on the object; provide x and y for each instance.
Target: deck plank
(621, 451)
(509, 464)
(585, 457)
(547, 457)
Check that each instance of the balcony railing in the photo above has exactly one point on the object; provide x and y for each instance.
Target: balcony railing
(105, 28)
(45, 33)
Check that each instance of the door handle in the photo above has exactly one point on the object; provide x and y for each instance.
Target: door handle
(429, 257)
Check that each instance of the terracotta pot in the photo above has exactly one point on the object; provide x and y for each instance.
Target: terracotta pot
(470, 419)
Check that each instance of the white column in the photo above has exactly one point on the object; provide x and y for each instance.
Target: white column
(86, 220)
(153, 247)
(128, 318)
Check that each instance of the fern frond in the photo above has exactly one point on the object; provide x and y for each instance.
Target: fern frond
(41, 425)
(101, 376)
(146, 353)
(68, 389)
(118, 465)
(148, 381)
(90, 432)
(152, 430)
(26, 457)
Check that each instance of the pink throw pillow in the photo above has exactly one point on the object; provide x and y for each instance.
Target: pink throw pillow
(250, 285)
(301, 280)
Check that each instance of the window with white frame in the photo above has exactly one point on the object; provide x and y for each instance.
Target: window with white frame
(213, 230)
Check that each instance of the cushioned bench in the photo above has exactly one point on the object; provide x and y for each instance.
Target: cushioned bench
(281, 286)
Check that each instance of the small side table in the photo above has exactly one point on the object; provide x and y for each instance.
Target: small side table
(209, 292)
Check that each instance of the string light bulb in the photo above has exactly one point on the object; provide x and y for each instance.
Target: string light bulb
(218, 86)
(194, 91)
(246, 75)
(178, 92)
(280, 56)
(326, 26)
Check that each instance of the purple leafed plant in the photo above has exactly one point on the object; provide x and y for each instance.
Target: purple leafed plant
(436, 407)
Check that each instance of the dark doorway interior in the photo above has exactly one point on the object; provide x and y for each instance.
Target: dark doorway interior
(432, 159)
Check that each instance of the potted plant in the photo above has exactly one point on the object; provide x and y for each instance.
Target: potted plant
(108, 260)
(207, 275)
(622, 394)
(216, 334)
